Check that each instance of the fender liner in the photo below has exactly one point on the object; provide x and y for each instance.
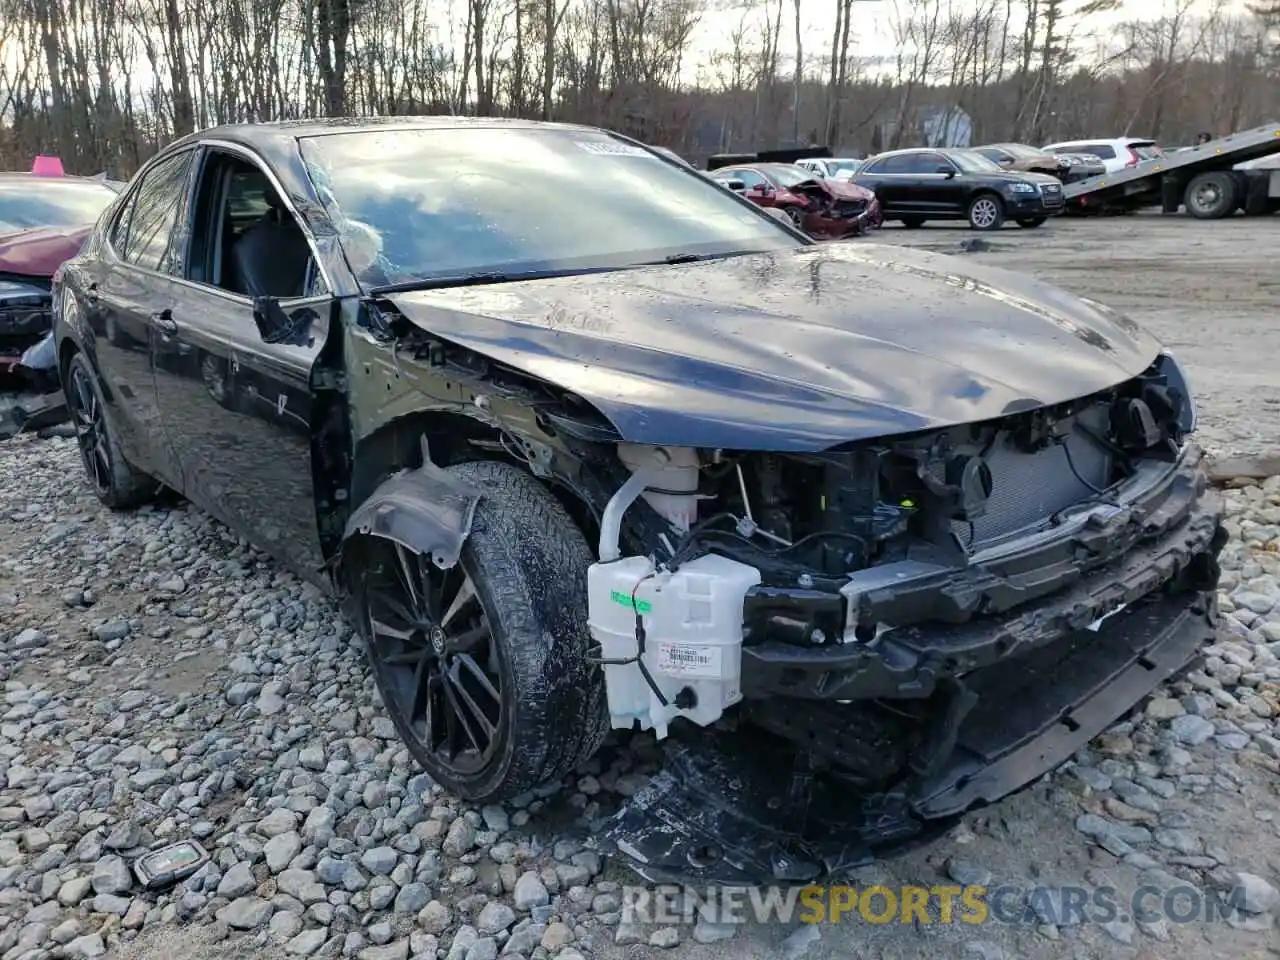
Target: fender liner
(424, 509)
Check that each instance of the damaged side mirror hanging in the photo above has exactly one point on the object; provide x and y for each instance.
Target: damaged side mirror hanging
(275, 325)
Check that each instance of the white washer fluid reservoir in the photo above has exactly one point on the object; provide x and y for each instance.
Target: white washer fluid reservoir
(693, 638)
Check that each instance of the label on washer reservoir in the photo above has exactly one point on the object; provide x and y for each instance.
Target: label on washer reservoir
(689, 660)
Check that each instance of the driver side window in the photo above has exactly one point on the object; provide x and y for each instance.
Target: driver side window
(750, 178)
(244, 239)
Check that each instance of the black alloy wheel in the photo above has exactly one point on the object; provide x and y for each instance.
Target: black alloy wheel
(116, 482)
(437, 662)
(90, 420)
(485, 667)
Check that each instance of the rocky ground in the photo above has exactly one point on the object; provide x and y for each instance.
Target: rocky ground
(163, 680)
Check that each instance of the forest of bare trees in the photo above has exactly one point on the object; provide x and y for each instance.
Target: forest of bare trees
(103, 83)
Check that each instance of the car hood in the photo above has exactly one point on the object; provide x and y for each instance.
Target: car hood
(1021, 176)
(796, 350)
(38, 252)
(845, 190)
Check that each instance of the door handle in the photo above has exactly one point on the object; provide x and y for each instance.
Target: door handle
(164, 321)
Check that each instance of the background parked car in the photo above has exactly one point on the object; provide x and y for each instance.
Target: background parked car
(824, 209)
(1067, 167)
(1024, 159)
(1116, 155)
(831, 168)
(922, 184)
(44, 219)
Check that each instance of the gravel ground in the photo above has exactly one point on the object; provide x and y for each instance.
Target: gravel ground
(161, 679)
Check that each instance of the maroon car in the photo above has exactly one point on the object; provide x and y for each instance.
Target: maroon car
(44, 219)
(824, 209)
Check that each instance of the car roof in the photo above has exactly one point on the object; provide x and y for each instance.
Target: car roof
(24, 176)
(278, 133)
(906, 150)
(1067, 143)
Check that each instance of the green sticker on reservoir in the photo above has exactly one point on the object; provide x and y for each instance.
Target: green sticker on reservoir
(642, 606)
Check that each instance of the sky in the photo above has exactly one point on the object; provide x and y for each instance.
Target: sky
(872, 27)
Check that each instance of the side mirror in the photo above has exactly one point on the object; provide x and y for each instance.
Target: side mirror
(946, 170)
(276, 326)
(760, 189)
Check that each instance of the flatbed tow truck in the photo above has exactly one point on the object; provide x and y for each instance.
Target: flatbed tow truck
(1202, 179)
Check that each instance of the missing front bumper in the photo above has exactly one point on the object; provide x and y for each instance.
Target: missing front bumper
(955, 622)
(721, 813)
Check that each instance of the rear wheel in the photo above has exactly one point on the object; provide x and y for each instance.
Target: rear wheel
(986, 212)
(117, 483)
(1030, 223)
(913, 223)
(483, 667)
(1211, 196)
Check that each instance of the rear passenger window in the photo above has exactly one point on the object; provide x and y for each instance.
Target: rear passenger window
(147, 233)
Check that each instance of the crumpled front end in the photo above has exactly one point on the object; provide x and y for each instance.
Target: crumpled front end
(25, 318)
(909, 627)
(837, 211)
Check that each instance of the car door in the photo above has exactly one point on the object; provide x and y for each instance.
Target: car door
(917, 184)
(884, 177)
(131, 282)
(756, 186)
(238, 410)
(943, 187)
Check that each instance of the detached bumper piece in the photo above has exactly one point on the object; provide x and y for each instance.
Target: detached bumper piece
(725, 811)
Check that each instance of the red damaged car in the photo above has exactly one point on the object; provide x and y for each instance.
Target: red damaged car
(824, 209)
(44, 219)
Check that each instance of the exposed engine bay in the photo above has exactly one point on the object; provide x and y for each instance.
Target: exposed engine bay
(748, 528)
(843, 602)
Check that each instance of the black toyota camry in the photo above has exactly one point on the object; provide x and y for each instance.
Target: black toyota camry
(581, 440)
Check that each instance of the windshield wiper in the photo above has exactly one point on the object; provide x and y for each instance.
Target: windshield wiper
(441, 283)
(682, 258)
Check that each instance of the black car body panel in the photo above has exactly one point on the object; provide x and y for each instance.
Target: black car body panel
(879, 339)
(1023, 451)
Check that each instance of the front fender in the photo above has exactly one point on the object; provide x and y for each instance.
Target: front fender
(425, 510)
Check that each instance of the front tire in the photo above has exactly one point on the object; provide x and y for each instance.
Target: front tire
(1030, 223)
(115, 481)
(796, 216)
(483, 668)
(986, 212)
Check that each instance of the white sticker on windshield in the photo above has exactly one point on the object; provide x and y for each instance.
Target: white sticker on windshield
(614, 149)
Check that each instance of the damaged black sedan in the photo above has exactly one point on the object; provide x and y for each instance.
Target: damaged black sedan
(583, 441)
